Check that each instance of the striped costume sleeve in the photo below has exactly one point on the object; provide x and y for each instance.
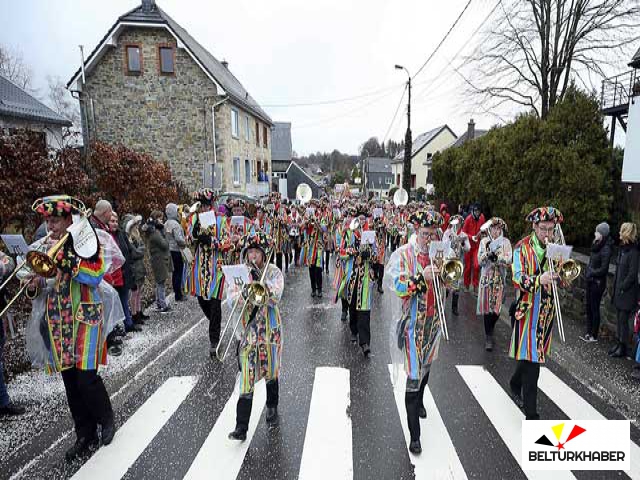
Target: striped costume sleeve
(521, 277)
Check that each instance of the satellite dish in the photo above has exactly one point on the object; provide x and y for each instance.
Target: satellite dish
(401, 197)
(303, 193)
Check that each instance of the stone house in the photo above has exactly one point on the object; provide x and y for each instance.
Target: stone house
(19, 109)
(377, 176)
(152, 87)
(423, 148)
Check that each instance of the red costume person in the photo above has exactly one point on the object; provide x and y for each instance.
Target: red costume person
(471, 227)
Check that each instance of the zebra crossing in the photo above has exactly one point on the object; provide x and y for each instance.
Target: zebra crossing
(327, 450)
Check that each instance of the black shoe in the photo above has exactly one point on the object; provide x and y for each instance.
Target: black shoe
(166, 309)
(488, 343)
(133, 328)
(415, 447)
(118, 331)
(137, 319)
(380, 290)
(366, 350)
(313, 293)
(354, 338)
(621, 352)
(115, 350)
(422, 412)
(319, 293)
(343, 317)
(238, 434)
(108, 431)
(517, 399)
(11, 410)
(81, 447)
(272, 415)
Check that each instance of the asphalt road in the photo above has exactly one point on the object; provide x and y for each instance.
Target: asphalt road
(339, 417)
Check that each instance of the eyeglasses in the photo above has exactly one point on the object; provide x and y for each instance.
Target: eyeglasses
(547, 230)
(427, 235)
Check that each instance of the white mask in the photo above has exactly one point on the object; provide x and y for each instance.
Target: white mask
(598, 236)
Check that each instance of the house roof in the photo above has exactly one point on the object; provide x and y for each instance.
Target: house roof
(422, 141)
(379, 165)
(151, 14)
(304, 172)
(462, 139)
(635, 61)
(15, 102)
(281, 147)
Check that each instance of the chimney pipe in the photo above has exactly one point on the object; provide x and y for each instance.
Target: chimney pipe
(225, 64)
(148, 5)
(471, 130)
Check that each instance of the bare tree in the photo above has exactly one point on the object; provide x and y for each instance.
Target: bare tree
(13, 67)
(534, 48)
(61, 101)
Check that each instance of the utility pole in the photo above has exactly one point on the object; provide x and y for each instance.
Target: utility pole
(406, 166)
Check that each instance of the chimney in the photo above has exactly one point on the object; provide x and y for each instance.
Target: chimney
(471, 130)
(225, 64)
(148, 5)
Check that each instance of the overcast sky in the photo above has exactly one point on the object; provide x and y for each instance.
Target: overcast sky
(291, 51)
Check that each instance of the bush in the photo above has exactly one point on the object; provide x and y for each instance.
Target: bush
(562, 161)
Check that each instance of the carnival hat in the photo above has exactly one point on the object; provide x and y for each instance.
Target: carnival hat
(545, 214)
(426, 218)
(498, 222)
(58, 206)
(258, 240)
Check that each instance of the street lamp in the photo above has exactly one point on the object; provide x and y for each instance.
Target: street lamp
(406, 167)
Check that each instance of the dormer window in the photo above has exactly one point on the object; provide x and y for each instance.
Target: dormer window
(166, 56)
(134, 59)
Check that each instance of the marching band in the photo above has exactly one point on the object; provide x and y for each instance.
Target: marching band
(417, 253)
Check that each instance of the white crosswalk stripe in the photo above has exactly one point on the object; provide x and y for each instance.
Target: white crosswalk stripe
(577, 408)
(439, 459)
(504, 415)
(113, 461)
(327, 445)
(220, 455)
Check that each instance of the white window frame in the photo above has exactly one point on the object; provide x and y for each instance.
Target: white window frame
(236, 171)
(247, 171)
(235, 125)
(388, 181)
(247, 134)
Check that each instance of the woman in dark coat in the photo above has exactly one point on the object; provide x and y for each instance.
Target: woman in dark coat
(597, 271)
(625, 287)
(160, 258)
(138, 249)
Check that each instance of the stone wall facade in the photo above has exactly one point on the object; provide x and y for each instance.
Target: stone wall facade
(167, 116)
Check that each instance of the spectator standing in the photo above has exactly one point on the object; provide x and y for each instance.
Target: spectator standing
(596, 276)
(124, 290)
(175, 236)
(7, 408)
(138, 249)
(625, 287)
(160, 258)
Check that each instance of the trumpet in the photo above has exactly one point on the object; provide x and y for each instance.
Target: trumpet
(40, 263)
(257, 295)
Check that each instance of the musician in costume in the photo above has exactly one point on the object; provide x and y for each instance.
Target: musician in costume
(280, 233)
(344, 266)
(381, 250)
(418, 330)
(494, 257)
(356, 284)
(204, 278)
(460, 246)
(471, 227)
(261, 339)
(311, 255)
(68, 316)
(535, 310)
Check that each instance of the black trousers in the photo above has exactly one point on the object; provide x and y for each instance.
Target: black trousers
(88, 400)
(245, 403)
(490, 320)
(595, 291)
(378, 270)
(525, 382)
(327, 259)
(212, 309)
(412, 402)
(359, 322)
(623, 327)
(315, 275)
(279, 257)
(176, 276)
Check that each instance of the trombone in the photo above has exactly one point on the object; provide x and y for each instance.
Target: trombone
(40, 263)
(451, 271)
(257, 296)
(568, 271)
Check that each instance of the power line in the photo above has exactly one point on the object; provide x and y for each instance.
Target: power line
(394, 115)
(443, 38)
(331, 102)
